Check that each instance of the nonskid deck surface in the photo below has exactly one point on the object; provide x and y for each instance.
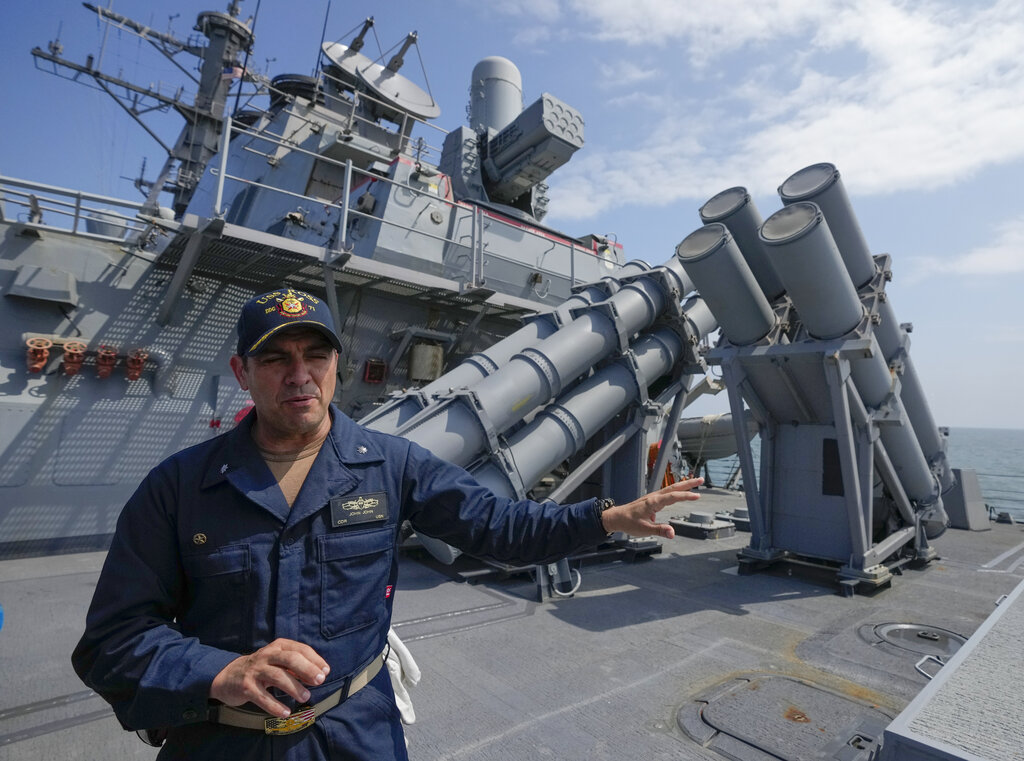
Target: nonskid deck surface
(616, 672)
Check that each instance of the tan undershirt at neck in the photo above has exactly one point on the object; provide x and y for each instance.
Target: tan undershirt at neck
(291, 468)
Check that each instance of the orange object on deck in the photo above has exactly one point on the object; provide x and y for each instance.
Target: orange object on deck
(135, 363)
(38, 353)
(106, 358)
(652, 458)
(74, 356)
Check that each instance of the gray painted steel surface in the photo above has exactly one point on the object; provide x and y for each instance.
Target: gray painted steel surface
(712, 258)
(562, 429)
(332, 189)
(735, 209)
(825, 394)
(822, 184)
(970, 711)
(539, 373)
(391, 416)
(495, 94)
(608, 675)
(803, 252)
(801, 249)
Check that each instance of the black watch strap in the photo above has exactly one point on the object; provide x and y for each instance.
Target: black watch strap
(602, 504)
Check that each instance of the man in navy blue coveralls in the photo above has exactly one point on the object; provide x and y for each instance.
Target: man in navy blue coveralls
(245, 609)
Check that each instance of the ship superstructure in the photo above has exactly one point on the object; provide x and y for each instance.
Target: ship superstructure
(547, 364)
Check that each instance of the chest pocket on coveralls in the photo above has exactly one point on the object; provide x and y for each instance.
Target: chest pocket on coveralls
(355, 568)
(219, 597)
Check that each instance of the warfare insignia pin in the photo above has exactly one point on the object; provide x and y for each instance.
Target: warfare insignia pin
(361, 450)
(199, 539)
(363, 508)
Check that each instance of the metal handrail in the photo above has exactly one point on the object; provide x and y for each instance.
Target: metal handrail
(351, 104)
(17, 183)
(110, 216)
(474, 245)
(38, 198)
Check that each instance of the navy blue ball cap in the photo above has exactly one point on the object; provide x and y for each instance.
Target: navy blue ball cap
(271, 312)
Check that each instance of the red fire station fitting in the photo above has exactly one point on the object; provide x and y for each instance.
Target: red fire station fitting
(106, 358)
(38, 353)
(134, 363)
(74, 356)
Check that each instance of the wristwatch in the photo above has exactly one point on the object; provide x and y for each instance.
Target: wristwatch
(601, 504)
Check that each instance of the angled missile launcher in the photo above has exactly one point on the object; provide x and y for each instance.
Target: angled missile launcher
(637, 335)
(852, 468)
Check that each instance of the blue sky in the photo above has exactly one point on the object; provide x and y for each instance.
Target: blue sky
(919, 104)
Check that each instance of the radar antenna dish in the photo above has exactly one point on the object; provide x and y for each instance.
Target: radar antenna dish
(347, 59)
(391, 87)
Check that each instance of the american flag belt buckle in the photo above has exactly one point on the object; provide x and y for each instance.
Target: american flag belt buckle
(300, 719)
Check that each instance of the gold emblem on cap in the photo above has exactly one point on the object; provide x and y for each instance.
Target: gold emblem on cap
(199, 539)
(292, 307)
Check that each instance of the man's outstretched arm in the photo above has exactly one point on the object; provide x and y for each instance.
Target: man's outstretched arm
(638, 518)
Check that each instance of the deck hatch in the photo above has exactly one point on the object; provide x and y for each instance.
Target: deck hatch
(926, 640)
(784, 717)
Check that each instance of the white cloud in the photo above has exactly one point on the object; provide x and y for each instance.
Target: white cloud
(709, 29)
(637, 100)
(543, 11)
(624, 73)
(532, 37)
(1005, 255)
(899, 95)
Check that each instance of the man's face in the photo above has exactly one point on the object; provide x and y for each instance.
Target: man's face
(291, 382)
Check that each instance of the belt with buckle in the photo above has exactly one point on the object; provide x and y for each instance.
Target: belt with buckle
(303, 716)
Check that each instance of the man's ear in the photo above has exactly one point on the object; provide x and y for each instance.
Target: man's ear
(238, 368)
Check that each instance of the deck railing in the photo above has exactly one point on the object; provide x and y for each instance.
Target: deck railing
(472, 242)
(49, 207)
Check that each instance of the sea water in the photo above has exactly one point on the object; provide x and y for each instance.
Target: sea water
(995, 454)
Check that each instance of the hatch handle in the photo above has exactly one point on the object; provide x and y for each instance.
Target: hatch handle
(919, 666)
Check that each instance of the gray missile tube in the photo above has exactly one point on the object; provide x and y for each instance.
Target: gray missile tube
(479, 366)
(699, 317)
(562, 428)
(803, 252)
(920, 414)
(822, 184)
(711, 257)
(890, 339)
(797, 240)
(391, 416)
(735, 209)
(461, 428)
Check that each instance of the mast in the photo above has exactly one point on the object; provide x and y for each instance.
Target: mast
(227, 38)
